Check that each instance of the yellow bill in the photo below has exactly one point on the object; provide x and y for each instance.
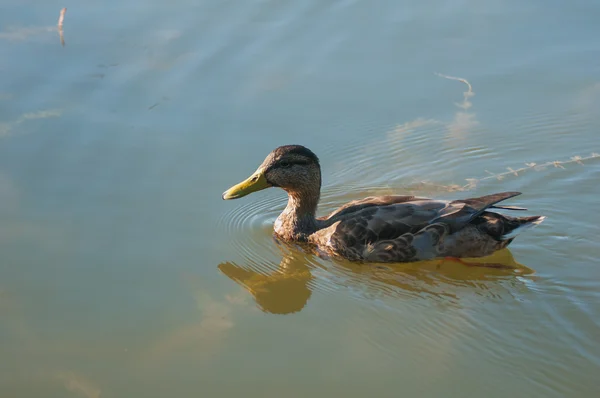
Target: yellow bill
(255, 182)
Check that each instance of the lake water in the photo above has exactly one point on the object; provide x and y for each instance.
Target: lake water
(124, 274)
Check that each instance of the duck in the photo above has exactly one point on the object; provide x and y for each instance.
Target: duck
(381, 229)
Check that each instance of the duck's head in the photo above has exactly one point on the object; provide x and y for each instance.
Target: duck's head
(293, 168)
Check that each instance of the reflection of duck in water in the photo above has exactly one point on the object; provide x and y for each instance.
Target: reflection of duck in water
(282, 292)
(288, 289)
(384, 228)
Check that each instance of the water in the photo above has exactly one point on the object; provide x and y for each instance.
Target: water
(124, 274)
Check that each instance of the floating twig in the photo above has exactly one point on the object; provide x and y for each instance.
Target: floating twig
(465, 104)
(61, 19)
(460, 79)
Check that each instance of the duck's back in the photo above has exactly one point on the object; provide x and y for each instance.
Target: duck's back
(408, 228)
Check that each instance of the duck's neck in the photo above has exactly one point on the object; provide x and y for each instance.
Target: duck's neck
(298, 220)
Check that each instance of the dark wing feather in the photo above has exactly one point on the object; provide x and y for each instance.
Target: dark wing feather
(458, 213)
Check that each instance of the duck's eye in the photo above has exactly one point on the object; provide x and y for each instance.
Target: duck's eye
(285, 165)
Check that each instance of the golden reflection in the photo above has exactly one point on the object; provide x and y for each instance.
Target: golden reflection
(281, 292)
(288, 289)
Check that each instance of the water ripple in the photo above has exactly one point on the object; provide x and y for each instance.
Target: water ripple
(248, 227)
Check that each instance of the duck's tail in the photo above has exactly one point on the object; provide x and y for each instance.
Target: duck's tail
(517, 225)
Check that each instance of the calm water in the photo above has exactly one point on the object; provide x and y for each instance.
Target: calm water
(124, 274)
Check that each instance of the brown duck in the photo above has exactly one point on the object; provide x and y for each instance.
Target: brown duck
(382, 228)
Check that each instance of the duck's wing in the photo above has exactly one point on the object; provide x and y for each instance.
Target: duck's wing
(369, 202)
(412, 226)
(454, 210)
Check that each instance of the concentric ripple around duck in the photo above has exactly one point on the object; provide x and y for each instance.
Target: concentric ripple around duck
(249, 228)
